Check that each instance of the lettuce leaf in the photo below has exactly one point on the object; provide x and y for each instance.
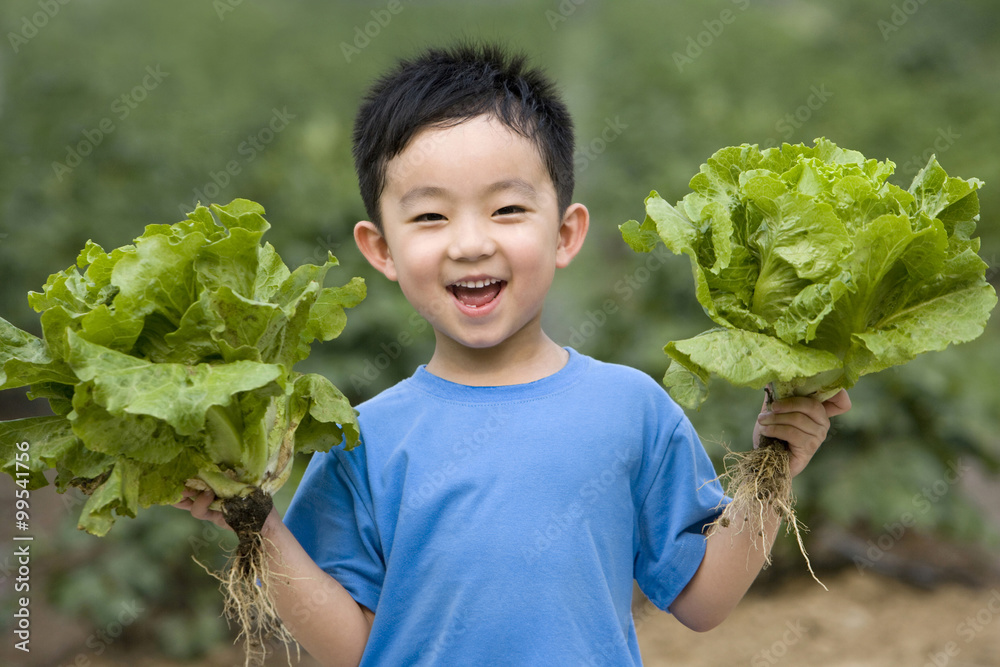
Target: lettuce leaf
(816, 269)
(171, 359)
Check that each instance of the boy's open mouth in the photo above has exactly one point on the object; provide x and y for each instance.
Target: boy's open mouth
(476, 294)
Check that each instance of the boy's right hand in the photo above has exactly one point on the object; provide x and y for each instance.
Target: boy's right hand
(304, 586)
(197, 503)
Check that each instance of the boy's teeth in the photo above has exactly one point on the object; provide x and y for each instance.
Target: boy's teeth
(476, 293)
(477, 283)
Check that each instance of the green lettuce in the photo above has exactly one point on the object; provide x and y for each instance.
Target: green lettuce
(170, 362)
(816, 269)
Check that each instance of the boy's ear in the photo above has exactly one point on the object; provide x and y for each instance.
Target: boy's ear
(572, 232)
(372, 244)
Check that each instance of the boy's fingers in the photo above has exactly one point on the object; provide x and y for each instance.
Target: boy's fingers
(796, 438)
(809, 437)
(837, 404)
(198, 502)
(801, 422)
(199, 507)
(188, 500)
(800, 430)
(806, 413)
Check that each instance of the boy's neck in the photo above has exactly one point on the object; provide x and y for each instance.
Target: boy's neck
(513, 362)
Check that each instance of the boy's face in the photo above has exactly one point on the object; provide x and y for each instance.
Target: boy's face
(472, 232)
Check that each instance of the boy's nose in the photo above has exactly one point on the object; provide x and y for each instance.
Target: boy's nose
(471, 240)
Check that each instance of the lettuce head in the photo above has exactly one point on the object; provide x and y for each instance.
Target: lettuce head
(170, 361)
(816, 269)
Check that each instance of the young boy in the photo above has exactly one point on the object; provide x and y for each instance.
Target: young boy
(507, 494)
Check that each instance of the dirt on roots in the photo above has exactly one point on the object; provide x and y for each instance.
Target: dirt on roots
(247, 582)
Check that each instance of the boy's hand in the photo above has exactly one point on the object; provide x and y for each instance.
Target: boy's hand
(197, 503)
(801, 422)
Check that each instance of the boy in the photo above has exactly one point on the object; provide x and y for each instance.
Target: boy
(508, 493)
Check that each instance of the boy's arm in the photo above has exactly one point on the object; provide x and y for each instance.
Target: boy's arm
(316, 609)
(732, 561)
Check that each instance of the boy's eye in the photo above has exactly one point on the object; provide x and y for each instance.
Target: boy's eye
(509, 210)
(425, 217)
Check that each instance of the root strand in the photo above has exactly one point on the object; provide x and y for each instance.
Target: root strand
(246, 582)
(760, 484)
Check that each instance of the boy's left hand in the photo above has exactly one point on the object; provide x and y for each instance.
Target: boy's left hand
(801, 422)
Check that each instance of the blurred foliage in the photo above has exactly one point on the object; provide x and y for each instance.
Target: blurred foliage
(144, 573)
(655, 89)
(153, 569)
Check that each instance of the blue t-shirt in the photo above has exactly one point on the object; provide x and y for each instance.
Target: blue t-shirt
(504, 525)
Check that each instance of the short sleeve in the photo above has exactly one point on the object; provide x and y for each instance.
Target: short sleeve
(331, 516)
(684, 497)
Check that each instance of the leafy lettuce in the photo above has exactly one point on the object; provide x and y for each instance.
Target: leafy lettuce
(170, 360)
(817, 269)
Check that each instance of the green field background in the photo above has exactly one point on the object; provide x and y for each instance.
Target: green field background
(115, 115)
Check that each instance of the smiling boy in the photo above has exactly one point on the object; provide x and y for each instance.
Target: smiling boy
(507, 494)
(474, 234)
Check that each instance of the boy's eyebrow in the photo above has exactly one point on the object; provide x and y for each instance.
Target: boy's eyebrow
(422, 192)
(519, 185)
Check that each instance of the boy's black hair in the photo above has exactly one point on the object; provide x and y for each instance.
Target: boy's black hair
(443, 87)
